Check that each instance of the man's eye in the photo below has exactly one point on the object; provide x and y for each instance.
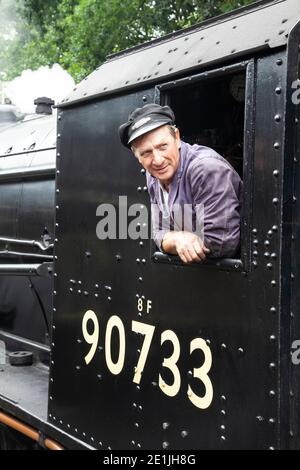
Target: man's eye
(163, 146)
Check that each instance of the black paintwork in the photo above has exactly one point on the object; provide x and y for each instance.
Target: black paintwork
(246, 310)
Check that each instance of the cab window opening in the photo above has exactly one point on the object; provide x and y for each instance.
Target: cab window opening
(211, 112)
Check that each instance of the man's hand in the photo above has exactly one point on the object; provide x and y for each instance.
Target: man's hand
(188, 246)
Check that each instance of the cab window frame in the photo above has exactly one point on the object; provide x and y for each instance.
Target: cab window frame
(162, 97)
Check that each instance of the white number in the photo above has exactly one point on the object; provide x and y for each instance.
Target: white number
(140, 305)
(90, 338)
(148, 331)
(170, 363)
(201, 373)
(115, 367)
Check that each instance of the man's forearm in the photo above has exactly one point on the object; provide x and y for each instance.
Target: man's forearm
(169, 243)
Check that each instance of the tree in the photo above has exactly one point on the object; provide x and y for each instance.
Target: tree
(79, 34)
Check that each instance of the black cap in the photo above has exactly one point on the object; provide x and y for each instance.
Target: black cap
(143, 120)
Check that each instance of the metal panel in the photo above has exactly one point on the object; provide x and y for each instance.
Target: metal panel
(267, 26)
(236, 313)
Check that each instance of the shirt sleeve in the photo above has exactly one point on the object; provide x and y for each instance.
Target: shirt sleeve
(216, 187)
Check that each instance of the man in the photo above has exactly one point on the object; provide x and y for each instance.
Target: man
(179, 174)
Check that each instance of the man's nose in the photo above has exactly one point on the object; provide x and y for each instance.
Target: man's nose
(158, 159)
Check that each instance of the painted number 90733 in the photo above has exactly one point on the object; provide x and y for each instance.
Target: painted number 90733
(91, 337)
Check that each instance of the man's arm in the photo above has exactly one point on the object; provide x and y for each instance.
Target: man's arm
(186, 245)
(217, 187)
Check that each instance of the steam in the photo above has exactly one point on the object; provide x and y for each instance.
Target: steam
(52, 82)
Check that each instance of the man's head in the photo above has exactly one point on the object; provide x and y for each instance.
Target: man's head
(151, 134)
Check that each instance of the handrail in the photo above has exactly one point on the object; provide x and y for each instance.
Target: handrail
(22, 241)
(43, 269)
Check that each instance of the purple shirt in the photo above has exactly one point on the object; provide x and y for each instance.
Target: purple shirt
(203, 179)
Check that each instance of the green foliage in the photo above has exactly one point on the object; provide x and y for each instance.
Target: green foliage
(79, 34)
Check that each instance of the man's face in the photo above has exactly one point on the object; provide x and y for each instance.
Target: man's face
(158, 153)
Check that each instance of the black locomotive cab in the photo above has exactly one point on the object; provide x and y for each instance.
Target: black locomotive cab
(147, 352)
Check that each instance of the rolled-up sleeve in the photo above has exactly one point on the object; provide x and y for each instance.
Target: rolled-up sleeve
(217, 187)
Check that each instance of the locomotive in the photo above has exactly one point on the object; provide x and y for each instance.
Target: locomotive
(146, 352)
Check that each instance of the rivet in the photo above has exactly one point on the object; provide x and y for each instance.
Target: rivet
(143, 261)
(184, 433)
(165, 425)
(145, 189)
(223, 398)
(223, 412)
(71, 289)
(260, 418)
(255, 241)
(273, 283)
(271, 448)
(141, 243)
(109, 299)
(255, 253)
(223, 438)
(140, 279)
(86, 293)
(275, 201)
(275, 228)
(57, 190)
(273, 256)
(223, 346)
(254, 230)
(267, 254)
(138, 260)
(222, 427)
(254, 263)
(144, 98)
(139, 189)
(279, 61)
(277, 117)
(266, 243)
(272, 338)
(273, 310)
(207, 341)
(269, 265)
(272, 365)
(165, 445)
(278, 90)
(77, 367)
(241, 350)
(272, 393)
